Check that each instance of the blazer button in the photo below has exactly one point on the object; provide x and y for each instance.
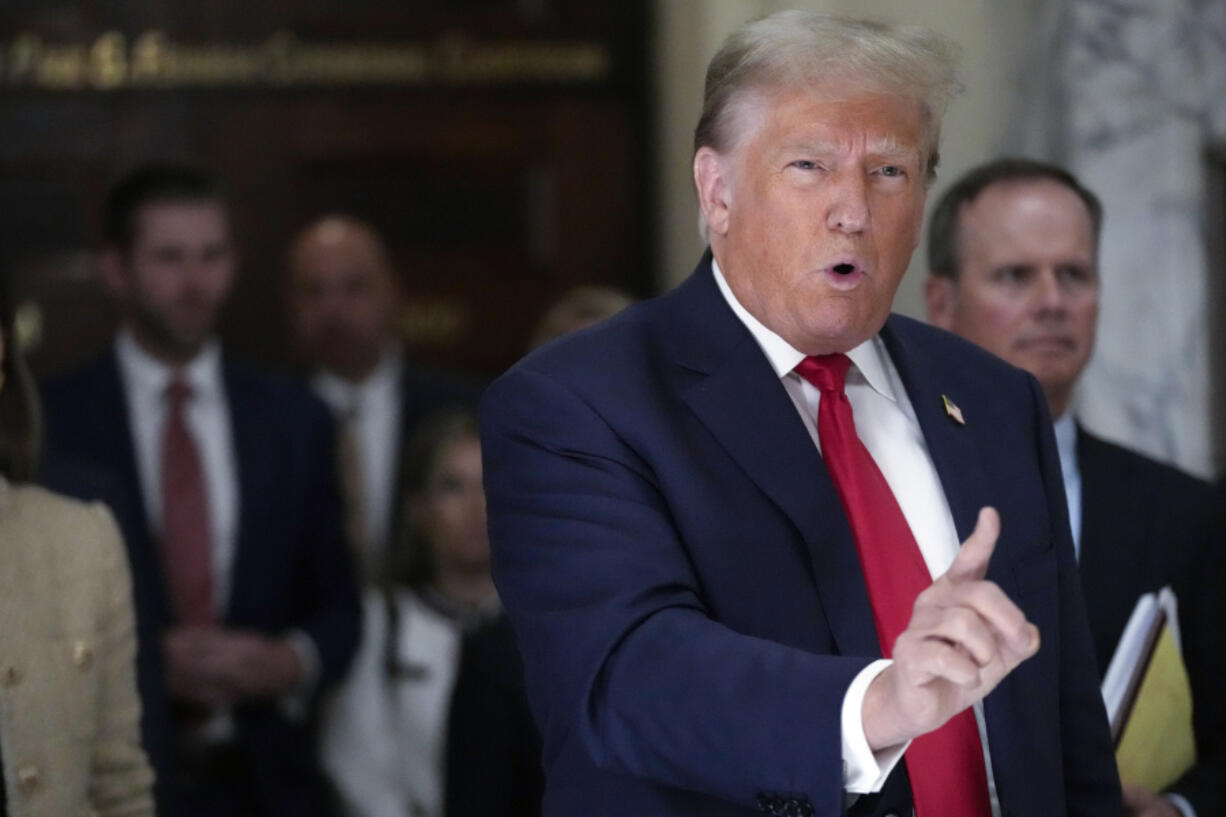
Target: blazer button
(82, 655)
(29, 778)
(12, 676)
(770, 804)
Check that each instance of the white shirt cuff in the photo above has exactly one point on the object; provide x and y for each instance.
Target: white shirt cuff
(1180, 802)
(864, 771)
(293, 703)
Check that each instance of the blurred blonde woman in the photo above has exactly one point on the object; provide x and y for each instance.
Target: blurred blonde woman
(432, 720)
(69, 711)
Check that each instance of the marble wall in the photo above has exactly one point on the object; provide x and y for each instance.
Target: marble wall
(1129, 95)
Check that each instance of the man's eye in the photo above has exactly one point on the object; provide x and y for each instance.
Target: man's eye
(1074, 274)
(805, 164)
(892, 171)
(1014, 275)
(447, 485)
(168, 255)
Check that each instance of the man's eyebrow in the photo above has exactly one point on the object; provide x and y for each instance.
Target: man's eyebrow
(891, 148)
(809, 146)
(885, 148)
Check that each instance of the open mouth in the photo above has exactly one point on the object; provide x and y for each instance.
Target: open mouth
(845, 275)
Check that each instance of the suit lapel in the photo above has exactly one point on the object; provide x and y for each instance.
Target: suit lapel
(115, 448)
(744, 405)
(951, 445)
(251, 469)
(1096, 505)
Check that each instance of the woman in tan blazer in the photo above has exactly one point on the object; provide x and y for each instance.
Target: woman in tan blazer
(69, 711)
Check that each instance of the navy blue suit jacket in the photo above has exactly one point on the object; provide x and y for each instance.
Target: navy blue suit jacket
(1145, 525)
(291, 567)
(687, 592)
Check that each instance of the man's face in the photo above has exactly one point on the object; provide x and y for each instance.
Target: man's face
(1027, 287)
(814, 213)
(176, 274)
(342, 299)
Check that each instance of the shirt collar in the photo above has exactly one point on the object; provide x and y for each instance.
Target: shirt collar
(148, 375)
(1066, 440)
(869, 357)
(344, 395)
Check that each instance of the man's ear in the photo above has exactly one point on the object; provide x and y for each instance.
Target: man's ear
(940, 296)
(711, 181)
(111, 271)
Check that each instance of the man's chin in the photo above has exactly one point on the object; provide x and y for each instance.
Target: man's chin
(350, 365)
(177, 345)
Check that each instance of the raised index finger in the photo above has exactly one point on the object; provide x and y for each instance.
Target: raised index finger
(971, 563)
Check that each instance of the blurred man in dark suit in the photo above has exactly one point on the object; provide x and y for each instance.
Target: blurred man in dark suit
(239, 523)
(1013, 252)
(344, 301)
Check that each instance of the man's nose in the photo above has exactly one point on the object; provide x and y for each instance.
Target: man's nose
(200, 271)
(1049, 294)
(848, 211)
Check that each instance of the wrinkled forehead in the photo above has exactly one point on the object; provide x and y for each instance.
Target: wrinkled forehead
(754, 106)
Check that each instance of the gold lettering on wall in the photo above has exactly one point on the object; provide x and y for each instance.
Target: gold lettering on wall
(438, 321)
(151, 59)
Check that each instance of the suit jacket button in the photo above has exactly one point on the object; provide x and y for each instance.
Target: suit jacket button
(82, 655)
(12, 676)
(770, 803)
(28, 778)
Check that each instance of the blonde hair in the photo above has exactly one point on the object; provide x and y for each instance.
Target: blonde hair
(577, 308)
(796, 49)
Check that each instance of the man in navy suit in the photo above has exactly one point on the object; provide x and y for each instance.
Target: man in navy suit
(703, 597)
(1013, 250)
(244, 584)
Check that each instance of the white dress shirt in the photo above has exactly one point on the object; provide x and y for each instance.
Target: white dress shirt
(887, 425)
(375, 406)
(383, 740)
(145, 380)
(1066, 444)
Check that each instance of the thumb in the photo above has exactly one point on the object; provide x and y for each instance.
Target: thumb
(971, 563)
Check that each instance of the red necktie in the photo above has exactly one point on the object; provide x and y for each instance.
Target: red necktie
(186, 543)
(946, 766)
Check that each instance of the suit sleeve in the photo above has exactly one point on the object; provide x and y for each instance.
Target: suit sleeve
(621, 653)
(1091, 781)
(328, 592)
(121, 780)
(1202, 609)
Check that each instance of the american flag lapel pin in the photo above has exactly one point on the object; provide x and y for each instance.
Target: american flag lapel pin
(951, 408)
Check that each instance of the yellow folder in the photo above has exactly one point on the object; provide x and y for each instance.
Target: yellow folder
(1149, 698)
